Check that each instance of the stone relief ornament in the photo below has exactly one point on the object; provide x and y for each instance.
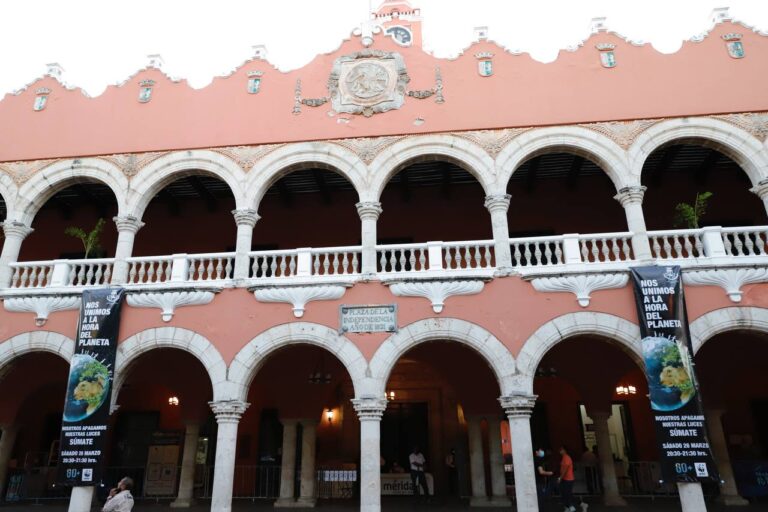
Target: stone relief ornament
(484, 63)
(437, 292)
(254, 82)
(427, 93)
(756, 124)
(368, 149)
(298, 296)
(622, 133)
(247, 156)
(167, 302)
(581, 285)
(368, 82)
(41, 99)
(734, 45)
(131, 164)
(20, 172)
(729, 279)
(492, 141)
(607, 57)
(41, 306)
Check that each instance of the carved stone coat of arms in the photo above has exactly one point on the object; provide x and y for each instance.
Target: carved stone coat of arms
(368, 82)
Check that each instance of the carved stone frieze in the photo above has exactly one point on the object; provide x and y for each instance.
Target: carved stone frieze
(368, 149)
(368, 82)
(622, 133)
(492, 141)
(42, 306)
(167, 302)
(437, 291)
(729, 279)
(754, 123)
(247, 156)
(581, 285)
(20, 172)
(298, 296)
(132, 163)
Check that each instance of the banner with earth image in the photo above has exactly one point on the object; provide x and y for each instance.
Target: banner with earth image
(679, 422)
(89, 388)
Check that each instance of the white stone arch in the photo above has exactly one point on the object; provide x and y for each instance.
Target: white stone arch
(593, 146)
(129, 350)
(9, 192)
(43, 185)
(35, 341)
(715, 322)
(557, 330)
(467, 155)
(484, 343)
(304, 155)
(167, 169)
(739, 145)
(252, 356)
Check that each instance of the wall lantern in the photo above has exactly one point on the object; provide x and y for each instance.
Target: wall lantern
(389, 395)
(174, 400)
(626, 390)
(329, 415)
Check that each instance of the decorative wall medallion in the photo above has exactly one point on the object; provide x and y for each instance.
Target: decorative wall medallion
(254, 81)
(729, 279)
(492, 141)
(247, 156)
(132, 163)
(42, 306)
(298, 296)
(734, 45)
(22, 171)
(622, 133)
(41, 99)
(367, 149)
(581, 285)
(400, 35)
(754, 123)
(484, 63)
(436, 291)
(607, 57)
(145, 90)
(169, 301)
(368, 82)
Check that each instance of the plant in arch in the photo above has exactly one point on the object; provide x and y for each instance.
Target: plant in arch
(91, 240)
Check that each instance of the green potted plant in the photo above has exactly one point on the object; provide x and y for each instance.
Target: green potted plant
(689, 215)
(91, 240)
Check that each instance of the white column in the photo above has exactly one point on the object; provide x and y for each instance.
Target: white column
(6, 448)
(691, 497)
(80, 499)
(369, 212)
(287, 464)
(498, 205)
(518, 409)
(127, 227)
(476, 462)
(308, 442)
(15, 233)
(761, 189)
(631, 198)
(496, 461)
(228, 414)
(369, 411)
(187, 477)
(729, 493)
(246, 219)
(605, 454)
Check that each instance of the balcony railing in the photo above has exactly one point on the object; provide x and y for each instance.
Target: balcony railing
(547, 254)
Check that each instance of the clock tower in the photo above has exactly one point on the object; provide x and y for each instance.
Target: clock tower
(400, 21)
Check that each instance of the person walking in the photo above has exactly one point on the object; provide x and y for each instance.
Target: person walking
(543, 473)
(566, 480)
(417, 461)
(120, 498)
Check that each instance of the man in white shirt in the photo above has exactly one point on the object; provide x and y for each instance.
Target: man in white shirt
(417, 461)
(120, 498)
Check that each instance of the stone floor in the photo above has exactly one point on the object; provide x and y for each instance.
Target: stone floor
(402, 505)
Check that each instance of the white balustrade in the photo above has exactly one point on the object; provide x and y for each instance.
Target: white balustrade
(746, 241)
(403, 258)
(468, 255)
(31, 274)
(149, 269)
(336, 261)
(210, 267)
(678, 244)
(537, 251)
(267, 264)
(92, 272)
(605, 247)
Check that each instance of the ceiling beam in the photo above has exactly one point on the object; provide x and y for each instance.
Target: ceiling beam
(174, 208)
(666, 161)
(285, 194)
(210, 200)
(322, 185)
(709, 163)
(533, 168)
(573, 173)
(98, 202)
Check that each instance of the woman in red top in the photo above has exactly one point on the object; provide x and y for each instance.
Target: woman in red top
(566, 480)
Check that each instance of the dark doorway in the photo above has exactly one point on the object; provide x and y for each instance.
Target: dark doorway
(404, 426)
(760, 413)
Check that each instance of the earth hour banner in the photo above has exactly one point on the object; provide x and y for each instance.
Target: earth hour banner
(674, 394)
(89, 388)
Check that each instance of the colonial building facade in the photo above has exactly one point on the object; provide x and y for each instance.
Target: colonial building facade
(419, 252)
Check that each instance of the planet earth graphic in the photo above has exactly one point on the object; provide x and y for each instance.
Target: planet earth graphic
(87, 389)
(669, 373)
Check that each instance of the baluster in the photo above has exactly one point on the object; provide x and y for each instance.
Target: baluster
(412, 260)
(459, 258)
(656, 247)
(537, 253)
(282, 265)
(326, 264)
(527, 254)
(625, 249)
(727, 243)
(584, 250)
(422, 259)
(88, 274)
(228, 269)
(142, 272)
(15, 278)
(487, 256)
(558, 252)
(392, 261)
(401, 260)
(256, 268)
(316, 264)
(750, 244)
(760, 243)
(219, 268)
(595, 250)
(699, 245)
(383, 261)
(132, 272)
(31, 276)
(739, 245)
(98, 274)
(335, 265)
(108, 273)
(72, 275)
(606, 250)
(678, 246)
(151, 272)
(448, 258)
(548, 254)
(36, 277)
(688, 246)
(81, 275)
(615, 249)
(667, 247)
(208, 269)
(344, 263)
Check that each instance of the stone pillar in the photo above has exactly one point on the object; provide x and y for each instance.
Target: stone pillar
(15, 233)
(497, 206)
(80, 499)
(127, 227)
(496, 461)
(369, 212)
(246, 219)
(611, 495)
(308, 476)
(631, 198)
(287, 464)
(518, 409)
(6, 447)
(476, 462)
(761, 189)
(729, 493)
(228, 414)
(187, 477)
(370, 410)
(691, 497)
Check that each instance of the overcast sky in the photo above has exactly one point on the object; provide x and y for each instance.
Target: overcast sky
(102, 42)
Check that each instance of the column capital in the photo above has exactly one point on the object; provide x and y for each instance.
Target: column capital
(289, 422)
(246, 216)
(369, 408)
(599, 415)
(761, 189)
(113, 408)
(128, 223)
(228, 411)
(16, 229)
(369, 210)
(518, 406)
(630, 195)
(497, 202)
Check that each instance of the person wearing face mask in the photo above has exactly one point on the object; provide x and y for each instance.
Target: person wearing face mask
(543, 473)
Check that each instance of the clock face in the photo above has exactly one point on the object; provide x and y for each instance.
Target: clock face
(401, 35)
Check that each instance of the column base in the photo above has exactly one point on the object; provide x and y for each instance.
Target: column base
(183, 503)
(479, 501)
(732, 501)
(614, 501)
(499, 501)
(504, 272)
(306, 502)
